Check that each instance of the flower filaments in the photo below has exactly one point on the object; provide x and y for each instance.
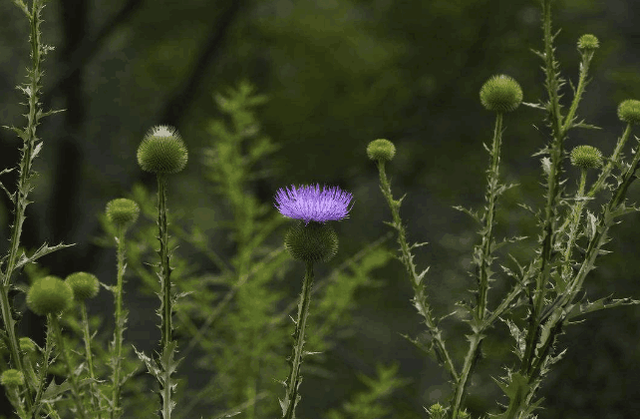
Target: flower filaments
(629, 111)
(162, 151)
(381, 149)
(84, 285)
(501, 93)
(49, 295)
(12, 378)
(586, 157)
(308, 203)
(588, 42)
(122, 212)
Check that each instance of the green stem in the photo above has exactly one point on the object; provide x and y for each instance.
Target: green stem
(553, 188)
(165, 294)
(120, 319)
(484, 261)
(606, 171)
(89, 355)
(420, 298)
(292, 396)
(20, 200)
(75, 390)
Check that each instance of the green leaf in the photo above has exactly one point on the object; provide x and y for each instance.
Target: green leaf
(600, 304)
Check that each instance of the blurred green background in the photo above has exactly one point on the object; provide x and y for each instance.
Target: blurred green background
(338, 74)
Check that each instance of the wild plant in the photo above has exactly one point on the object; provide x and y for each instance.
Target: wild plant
(228, 319)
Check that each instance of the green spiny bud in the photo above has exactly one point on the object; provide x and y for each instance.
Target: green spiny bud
(12, 378)
(381, 149)
(49, 295)
(436, 411)
(588, 42)
(501, 93)
(27, 346)
(311, 243)
(162, 151)
(629, 111)
(586, 157)
(122, 212)
(84, 285)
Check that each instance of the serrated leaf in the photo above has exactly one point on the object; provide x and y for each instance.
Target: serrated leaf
(600, 304)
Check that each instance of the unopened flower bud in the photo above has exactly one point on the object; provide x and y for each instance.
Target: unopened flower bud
(12, 378)
(49, 295)
(588, 42)
(122, 212)
(162, 151)
(629, 111)
(436, 411)
(381, 149)
(27, 346)
(311, 243)
(501, 93)
(84, 285)
(586, 157)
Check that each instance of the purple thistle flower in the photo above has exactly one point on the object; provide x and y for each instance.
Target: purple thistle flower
(308, 203)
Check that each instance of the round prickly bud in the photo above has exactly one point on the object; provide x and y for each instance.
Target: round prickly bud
(49, 295)
(501, 93)
(436, 411)
(84, 285)
(381, 149)
(27, 346)
(162, 151)
(311, 243)
(122, 212)
(12, 378)
(586, 157)
(629, 111)
(588, 42)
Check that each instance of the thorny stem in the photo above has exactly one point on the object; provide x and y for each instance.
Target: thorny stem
(484, 261)
(20, 200)
(87, 347)
(75, 390)
(420, 299)
(120, 319)
(553, 184)
(292, 397)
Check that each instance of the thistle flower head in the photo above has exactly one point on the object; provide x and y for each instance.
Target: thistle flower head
(12, 378)
(122, 212)
(586, 157)
(27, 346)
(49, 295)
(309, 203)
(84, 285)
(588, 42)
(629, 111)
(162, 151)
(501, 93)
(381, 149)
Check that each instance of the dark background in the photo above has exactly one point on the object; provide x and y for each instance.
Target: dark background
(339, 74)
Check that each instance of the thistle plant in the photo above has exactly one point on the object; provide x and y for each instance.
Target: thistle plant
(233, 317)
(550, 286)
(122, 213)
(163, 152)
(312, 242)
